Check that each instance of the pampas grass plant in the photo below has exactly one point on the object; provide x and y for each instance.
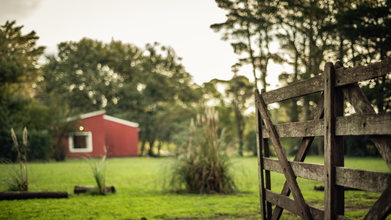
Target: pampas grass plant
(202, 164)
(18, 178)
(99, 173)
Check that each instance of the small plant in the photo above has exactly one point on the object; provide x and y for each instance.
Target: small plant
(18, 178)
(99, 173)
(202, 165)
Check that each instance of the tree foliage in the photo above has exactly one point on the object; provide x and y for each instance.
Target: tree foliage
(310, 34)
(132, 83)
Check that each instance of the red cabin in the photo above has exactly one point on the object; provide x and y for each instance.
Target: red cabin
(97, 130)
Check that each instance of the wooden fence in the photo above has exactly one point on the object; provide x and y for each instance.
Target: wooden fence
(329, 121)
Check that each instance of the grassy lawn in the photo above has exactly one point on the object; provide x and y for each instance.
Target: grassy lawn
(139, 193)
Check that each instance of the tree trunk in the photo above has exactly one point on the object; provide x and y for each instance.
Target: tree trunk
(150, 151)
(240, 126)
(142, 148)
(159, 146)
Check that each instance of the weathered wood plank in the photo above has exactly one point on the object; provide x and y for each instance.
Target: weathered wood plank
(260, 162)
(362, 73)
(288, 172)
(305, 87)
(379, 124)
(357, 99)
(371, 181)
(297, 129)
(283, 201)
(382, 207)
(310, 171)
(267, 176)
(300, 155)
(361, 105)
(291, 205)
(315, 84)
(330, 144)
(338, 150)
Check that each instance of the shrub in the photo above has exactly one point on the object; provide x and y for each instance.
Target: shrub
(202, 164)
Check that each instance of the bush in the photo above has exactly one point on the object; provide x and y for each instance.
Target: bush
(202, 164)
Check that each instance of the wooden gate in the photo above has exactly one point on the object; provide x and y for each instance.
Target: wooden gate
(330, 122)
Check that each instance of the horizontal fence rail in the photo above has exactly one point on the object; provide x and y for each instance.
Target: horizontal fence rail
(372, 181)
(378, 124)
(342, 77)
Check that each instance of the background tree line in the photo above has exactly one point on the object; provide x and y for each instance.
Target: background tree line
(311, 33)
(150, 86)
(146, 85)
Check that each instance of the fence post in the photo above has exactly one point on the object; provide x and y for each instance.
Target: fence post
(260, 160)
(333, 146)
(339, 150)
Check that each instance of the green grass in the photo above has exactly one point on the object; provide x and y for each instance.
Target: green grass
(139, 192)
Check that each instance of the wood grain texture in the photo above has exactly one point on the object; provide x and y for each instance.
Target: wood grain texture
(372, 124)
(371, 181)
(330, 143)
(362, 73)
(310, 171)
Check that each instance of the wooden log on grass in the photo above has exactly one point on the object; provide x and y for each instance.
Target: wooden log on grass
(11, 195)
(84, 189)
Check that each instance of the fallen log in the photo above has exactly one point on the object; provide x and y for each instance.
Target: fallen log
(11, 195)
(88, 189)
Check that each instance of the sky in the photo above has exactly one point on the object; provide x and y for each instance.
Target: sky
(182, 24)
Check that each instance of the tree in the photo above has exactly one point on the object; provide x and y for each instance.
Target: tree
(81, 75)
(250, 22)
(19, 74)
(231, 103)
(367, 27)
(160, 83)
(18, 58)
(18, 70)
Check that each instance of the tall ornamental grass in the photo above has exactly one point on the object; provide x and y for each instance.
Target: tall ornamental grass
(202, 164)
(99, 173)
(18, 177)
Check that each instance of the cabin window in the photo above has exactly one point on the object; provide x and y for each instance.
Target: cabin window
(80, 142)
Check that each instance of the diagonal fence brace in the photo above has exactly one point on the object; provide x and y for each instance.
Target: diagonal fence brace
(287, 169)
(300, 155)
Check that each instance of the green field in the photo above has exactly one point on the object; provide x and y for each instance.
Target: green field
(139, 192)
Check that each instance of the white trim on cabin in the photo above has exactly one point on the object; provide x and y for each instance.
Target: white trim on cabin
(120, 121)
(87, 115)
(92, 114)
(88, 136)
